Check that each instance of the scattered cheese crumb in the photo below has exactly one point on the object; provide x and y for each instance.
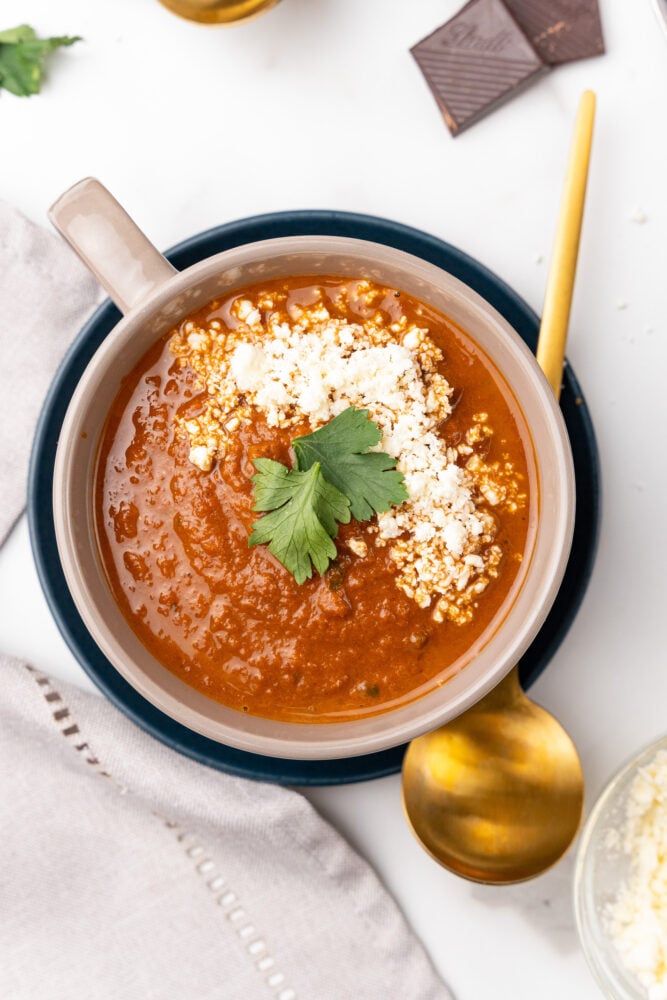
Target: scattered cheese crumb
(639, 216)
(358, 546)
(201, 457)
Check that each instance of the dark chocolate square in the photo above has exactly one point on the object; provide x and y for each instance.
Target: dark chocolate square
(560, 30)
(476, 61)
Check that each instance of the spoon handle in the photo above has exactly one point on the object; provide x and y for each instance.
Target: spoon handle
(560, 283)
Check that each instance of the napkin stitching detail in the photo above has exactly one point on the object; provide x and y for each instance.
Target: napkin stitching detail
(229, 901)
(62, 717)
(255, 946)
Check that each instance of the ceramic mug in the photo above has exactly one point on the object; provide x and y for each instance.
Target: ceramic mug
(154, 297)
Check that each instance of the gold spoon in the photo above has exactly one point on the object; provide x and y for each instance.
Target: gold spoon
(496, 795)
(218, 11)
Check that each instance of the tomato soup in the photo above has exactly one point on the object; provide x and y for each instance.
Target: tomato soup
(411, 593)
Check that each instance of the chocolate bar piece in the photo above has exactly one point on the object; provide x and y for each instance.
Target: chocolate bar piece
(476, 61)
(560, 30)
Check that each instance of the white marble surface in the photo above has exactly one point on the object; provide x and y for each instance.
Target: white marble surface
(318, 105)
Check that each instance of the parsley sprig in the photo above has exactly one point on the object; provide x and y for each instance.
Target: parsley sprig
(304, 509)
(335, 478)
(22, 56)
(369, 479)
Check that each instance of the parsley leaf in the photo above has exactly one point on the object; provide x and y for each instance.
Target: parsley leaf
(22, 56)
(335, 477)
(370, 480)
(24, 33)
(304, 509)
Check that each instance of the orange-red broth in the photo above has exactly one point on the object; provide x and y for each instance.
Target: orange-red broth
(229, 620)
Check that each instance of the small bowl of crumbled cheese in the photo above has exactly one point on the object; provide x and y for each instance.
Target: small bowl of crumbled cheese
(621, 881)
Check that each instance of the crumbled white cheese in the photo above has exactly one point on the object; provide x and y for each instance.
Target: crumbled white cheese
(196, 340)
(301, 362)
(358, 546)
(202, 457)
(639, 216)
(637, 918)
(247, 312)
(246, 365)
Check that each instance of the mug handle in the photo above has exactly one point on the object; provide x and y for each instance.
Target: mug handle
(109, 243)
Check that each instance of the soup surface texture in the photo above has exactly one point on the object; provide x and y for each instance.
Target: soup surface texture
(412, 593)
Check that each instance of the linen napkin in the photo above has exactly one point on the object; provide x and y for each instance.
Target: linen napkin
(128, 872)
(46, 294)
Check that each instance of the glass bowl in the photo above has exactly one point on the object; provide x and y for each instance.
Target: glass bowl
(603, 867)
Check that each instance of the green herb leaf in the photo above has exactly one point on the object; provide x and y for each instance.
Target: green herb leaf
(370, 480)
(22, 57)
(335, 477)
(304, 511)
(23, 33)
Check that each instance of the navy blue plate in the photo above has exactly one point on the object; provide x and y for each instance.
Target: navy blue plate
(40, 510)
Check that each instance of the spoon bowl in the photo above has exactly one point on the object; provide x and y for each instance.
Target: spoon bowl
(496, 794)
